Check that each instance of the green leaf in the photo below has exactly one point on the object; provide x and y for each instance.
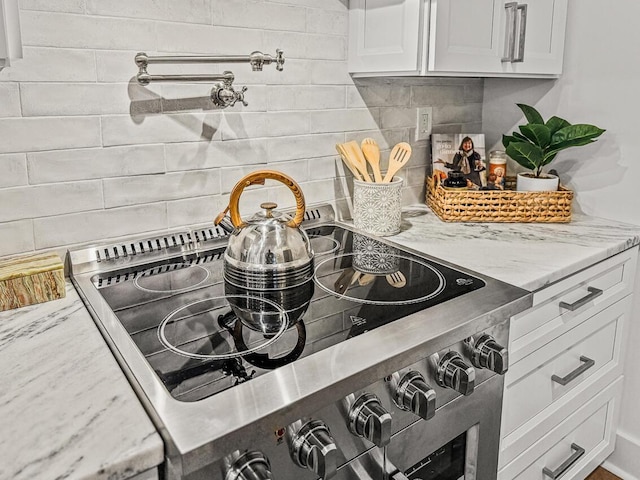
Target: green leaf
(531, 114)
(528, 155)
(573, 136)
(548, 158)
(556, 123)
(537, 134)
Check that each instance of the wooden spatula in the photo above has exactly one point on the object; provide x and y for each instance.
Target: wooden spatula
(398, 157)
(357, 158)
(347, 161)
(397, 279)
(372, 154)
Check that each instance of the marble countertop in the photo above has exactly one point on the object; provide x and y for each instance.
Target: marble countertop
(528, 255)
(67, 411)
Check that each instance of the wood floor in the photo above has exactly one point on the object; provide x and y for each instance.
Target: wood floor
(602, 474)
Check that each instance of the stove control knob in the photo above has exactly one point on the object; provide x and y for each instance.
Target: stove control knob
(313, 447)
(368, 419)
(250, 465)
(489, 354)
(413, 394)
(453, 372)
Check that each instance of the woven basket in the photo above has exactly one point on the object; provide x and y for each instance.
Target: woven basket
(507, 206)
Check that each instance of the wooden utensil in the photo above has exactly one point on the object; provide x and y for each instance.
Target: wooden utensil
(366, 279)
(372, 154)
(397, 279)
(347, 161)
(398, 157)
(344, 280)
(357, 158)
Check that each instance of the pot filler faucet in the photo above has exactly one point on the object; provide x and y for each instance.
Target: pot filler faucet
(223, 94)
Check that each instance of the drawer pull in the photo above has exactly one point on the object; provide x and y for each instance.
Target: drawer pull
(587, 363)
(557, 473)
(593, 293)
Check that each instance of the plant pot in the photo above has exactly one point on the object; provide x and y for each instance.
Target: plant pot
(526, 182)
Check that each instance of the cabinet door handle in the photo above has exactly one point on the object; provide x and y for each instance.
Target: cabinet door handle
(587, 363)
(523, 32)
(510, 35)
(578, 451)
(593, 293)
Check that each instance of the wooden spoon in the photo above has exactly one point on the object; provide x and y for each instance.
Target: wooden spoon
(347, 161)
(398, 157)
(357, 158)
(372, 154)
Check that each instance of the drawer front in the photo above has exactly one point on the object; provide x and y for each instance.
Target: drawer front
(553, 371)
(575, 447)
(561, 306)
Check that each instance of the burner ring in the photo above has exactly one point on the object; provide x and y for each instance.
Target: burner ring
(161, 332)
(326, 245)
(198, 278)
(393, 259)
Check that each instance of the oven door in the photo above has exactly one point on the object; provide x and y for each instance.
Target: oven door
(460, 442)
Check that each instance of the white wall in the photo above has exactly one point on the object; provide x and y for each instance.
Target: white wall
(600, 85)
(86, 153)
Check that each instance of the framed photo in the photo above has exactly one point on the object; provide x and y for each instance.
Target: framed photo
(462, 152)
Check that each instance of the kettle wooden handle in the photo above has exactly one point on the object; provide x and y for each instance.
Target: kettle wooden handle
(258, 178)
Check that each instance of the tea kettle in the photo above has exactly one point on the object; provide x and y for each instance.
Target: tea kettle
(270, 250)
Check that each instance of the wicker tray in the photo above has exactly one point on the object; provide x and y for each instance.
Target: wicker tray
(454, 205)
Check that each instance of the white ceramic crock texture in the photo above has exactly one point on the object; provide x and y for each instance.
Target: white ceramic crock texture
(533, 184)
(377, 207)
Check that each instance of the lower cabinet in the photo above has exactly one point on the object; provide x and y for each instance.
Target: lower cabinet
(563, 388)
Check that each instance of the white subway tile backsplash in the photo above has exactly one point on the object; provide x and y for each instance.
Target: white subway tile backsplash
(304, 146)
(69, 6)
(331, 22)
(45, 99)
(92, 163)
(196, 210)
(48, 200)
(326, 121)
(307, 97)
(204, 155)
(327, 72)
(125, 191)
(52, 65)
(9, 100)
(189, 11)
(14, 170)
(209, 40)
(86, 31)
(397, 117)
(187, 127)
(308, 46)
(437, 95)
(259, 14)
(17, 237)
(98, 225)
(52, 133)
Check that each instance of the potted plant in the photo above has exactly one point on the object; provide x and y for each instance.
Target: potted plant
(537, 144)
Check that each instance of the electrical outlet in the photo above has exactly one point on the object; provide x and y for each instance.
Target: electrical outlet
(423, 123)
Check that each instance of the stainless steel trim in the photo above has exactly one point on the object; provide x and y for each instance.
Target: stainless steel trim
(522, 34)
(578, 451)
(587, 363)
(593, 293)
(510, 35)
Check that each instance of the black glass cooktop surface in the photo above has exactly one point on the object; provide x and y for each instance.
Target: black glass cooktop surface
(202, 335)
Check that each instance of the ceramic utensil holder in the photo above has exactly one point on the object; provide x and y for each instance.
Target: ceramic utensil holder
(377, 207)
(374, 257)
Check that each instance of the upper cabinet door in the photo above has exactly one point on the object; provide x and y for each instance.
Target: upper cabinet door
(10, 43)
(465, 36)
(385, 36)
(457, 37)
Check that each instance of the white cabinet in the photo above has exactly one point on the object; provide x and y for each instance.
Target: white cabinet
(562, 390)
(10, 42)
(457, 37)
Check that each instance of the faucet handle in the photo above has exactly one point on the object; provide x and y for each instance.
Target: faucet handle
(279, 60)
(239, 96)
(224, 95)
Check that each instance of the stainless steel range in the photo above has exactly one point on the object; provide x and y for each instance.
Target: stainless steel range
(387, 364)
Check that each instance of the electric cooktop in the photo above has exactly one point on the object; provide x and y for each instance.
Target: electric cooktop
(191, 324)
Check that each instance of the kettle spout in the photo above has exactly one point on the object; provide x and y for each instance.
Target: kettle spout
(224, 221)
